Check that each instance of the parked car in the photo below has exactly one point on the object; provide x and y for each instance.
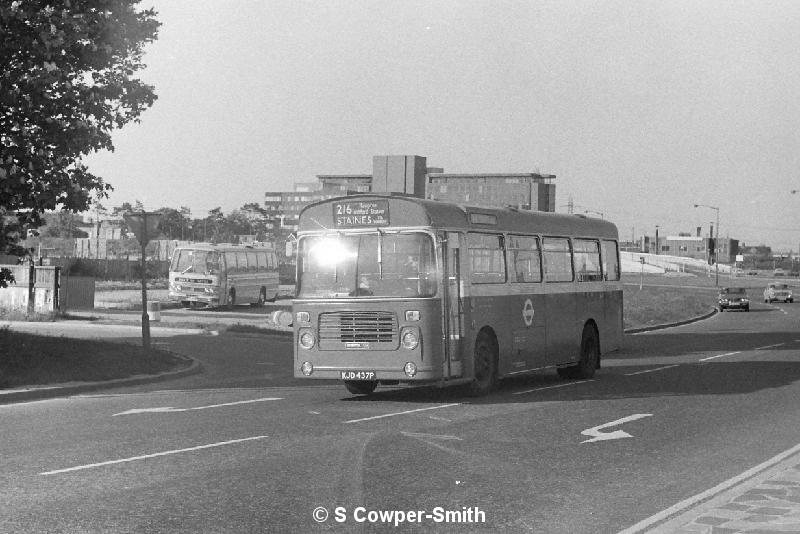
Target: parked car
(733, 298)
(778, 291)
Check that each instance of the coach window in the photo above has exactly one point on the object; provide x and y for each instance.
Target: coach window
(241, 262)
(525, 258)
(252, 262)
(487, 261)
(557, 259)
(230, 262)
(587, 260)
(610, 260)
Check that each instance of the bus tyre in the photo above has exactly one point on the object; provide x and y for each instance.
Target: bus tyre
(360, 387)
(590, 353)
(589, 358)
(485, 364)
(262, 298)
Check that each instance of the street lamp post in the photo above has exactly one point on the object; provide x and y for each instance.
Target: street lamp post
(657, 227)
(716, 242)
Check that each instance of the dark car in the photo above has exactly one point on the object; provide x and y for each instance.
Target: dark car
(733, 298)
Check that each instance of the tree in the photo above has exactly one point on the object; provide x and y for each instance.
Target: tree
(257, 217)
(172, 223)
(67, 82)
(63, 224)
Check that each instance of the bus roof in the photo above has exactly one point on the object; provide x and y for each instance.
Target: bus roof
(225, 246)
(376, 211)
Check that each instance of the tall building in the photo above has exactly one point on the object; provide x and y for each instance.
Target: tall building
(529, 191)
(410, 175)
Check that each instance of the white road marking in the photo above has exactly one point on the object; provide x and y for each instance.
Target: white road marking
(709, 493)
(652, 370)
(551, 387)
(431, 436)
(770, 346)
(720, 356)
(401, 413)
(596, 435)
(168, 409)
(154, 455)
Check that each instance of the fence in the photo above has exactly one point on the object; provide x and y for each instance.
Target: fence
(108, 269)
(75, 292)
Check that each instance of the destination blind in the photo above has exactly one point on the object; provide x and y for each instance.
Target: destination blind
(358, 214)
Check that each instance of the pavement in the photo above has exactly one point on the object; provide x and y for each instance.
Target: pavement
(764, 499)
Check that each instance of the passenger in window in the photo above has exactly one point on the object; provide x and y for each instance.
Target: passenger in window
(411, 266)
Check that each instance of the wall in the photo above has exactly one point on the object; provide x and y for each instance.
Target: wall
(28, 296)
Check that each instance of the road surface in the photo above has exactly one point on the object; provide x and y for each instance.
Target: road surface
(245, 447)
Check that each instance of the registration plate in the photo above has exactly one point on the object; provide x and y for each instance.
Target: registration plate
(358, 375)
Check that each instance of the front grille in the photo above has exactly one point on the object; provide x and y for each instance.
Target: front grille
(376, 328)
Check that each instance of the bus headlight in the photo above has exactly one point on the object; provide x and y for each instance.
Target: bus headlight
(410, 369)
(410, 338)
(306, 339)
(307, 368)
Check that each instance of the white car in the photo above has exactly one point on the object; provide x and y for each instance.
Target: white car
(778, 291)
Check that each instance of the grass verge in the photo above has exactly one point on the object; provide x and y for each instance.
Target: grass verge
(28, 360)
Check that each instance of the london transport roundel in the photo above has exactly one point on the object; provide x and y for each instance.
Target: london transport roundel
(527, 312)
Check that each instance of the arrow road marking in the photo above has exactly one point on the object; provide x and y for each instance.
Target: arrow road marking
(596, 435)
(168, 409)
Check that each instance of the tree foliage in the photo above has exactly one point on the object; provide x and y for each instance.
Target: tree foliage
(67, 82)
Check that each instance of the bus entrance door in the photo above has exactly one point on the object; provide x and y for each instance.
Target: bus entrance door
(452, 306)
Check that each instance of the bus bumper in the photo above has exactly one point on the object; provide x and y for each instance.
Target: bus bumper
(205, 300)
(307, 369)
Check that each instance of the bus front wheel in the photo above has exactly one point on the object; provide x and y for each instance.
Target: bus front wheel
(485, 364)
(360, 387)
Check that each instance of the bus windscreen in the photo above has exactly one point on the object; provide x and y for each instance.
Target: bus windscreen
(367, 265)
(195, 261)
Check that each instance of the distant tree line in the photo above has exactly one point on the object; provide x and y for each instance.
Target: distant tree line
(176, 223)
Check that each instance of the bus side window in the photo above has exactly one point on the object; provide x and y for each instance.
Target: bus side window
(487, 259)
(610, 260)
(252, 262)
(525, 258)
(557, 259)
(241, 262)
(230, 262)
(587, 260)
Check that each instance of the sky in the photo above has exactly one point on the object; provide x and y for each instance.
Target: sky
(640, 108)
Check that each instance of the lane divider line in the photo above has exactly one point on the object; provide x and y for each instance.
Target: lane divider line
(551, 387)
(652, 370)
(770, 346)
(170, 409)
(146, 456)
(400, 413)
(720, 356)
